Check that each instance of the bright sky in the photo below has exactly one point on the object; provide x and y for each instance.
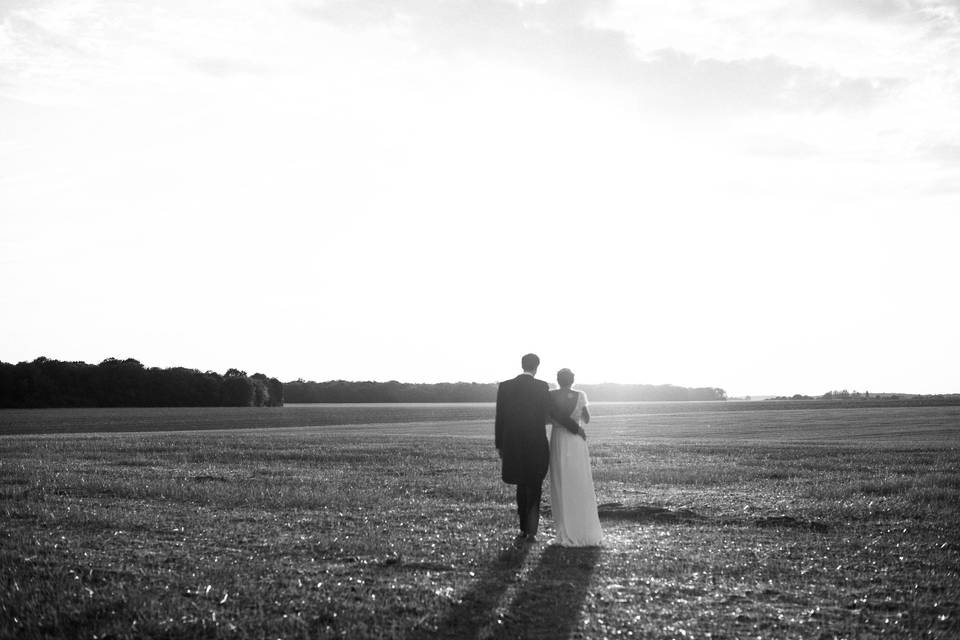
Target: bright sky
(760, 195)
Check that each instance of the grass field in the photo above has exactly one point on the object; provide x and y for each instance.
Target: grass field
(386, 521)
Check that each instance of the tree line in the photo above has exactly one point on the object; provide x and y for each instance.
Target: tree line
(866, 397)
(301, 391)
(127, 383)
(610, 392)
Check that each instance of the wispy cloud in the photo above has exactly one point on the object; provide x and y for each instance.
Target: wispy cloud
(945, 153)
(564, 38)
(778, 147)
(224, 67)
(931, 11)
(680, 79)
(874, 9)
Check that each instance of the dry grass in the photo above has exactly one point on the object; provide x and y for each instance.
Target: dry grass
(398, 530)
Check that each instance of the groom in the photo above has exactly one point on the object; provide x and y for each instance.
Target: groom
(523, 409)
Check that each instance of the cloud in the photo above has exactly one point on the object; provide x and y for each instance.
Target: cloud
(682, 81)
(561, 38)
(771, 146)
(875, 9)
(890, 9)
(934, 18)
(352, 14)
(224, 67)
(945, 153)
(947, 186)
(12, 7)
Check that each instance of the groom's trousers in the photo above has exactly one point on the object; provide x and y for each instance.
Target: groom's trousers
(528, 507)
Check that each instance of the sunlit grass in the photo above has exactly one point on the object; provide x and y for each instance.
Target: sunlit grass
(401, 533)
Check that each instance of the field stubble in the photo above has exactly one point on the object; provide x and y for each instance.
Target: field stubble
(718, 524)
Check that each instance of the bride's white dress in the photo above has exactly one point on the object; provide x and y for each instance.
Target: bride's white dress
(572, 499)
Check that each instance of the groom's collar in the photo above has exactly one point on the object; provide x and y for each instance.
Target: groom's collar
(527, 373)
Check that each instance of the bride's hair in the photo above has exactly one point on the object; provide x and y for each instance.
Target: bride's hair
(565, 377)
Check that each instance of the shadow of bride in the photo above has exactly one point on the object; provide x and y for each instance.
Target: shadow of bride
(504, 602)
(476, 611)
(549, 603)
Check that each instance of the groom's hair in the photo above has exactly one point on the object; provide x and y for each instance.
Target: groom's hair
(530, 362)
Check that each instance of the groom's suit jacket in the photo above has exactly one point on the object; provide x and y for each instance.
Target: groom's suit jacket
(523, 408)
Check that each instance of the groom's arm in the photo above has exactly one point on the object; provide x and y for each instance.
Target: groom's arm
(564, 420)
(498, 421)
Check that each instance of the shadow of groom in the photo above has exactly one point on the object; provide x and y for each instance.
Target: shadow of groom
(550, 601)
(506, 603)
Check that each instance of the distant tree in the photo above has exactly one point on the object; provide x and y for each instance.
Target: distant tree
(8, 381)
(268, 392)
(237, 391)
(126, 383)
(121, 383)
(276, 392)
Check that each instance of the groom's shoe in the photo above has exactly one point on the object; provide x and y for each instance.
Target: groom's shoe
(519, 540)
(530, 539)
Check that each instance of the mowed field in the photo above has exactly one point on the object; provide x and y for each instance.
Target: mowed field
(722, 520)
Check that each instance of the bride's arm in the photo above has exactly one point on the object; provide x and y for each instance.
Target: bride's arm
(585, 415)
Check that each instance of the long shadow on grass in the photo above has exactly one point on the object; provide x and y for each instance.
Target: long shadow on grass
(546, 602)
(476, 611)
(549, 602)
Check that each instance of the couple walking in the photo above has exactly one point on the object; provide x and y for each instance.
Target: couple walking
(524, 406)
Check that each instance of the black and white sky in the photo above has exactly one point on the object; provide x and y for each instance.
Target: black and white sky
(761, 195)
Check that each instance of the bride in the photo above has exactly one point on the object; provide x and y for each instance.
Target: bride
(572, 499)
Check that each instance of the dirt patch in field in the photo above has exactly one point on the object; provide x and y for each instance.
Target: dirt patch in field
(645, 513)
(791, 522)
(651, 513)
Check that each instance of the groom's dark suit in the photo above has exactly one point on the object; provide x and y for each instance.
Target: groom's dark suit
(523, 408)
